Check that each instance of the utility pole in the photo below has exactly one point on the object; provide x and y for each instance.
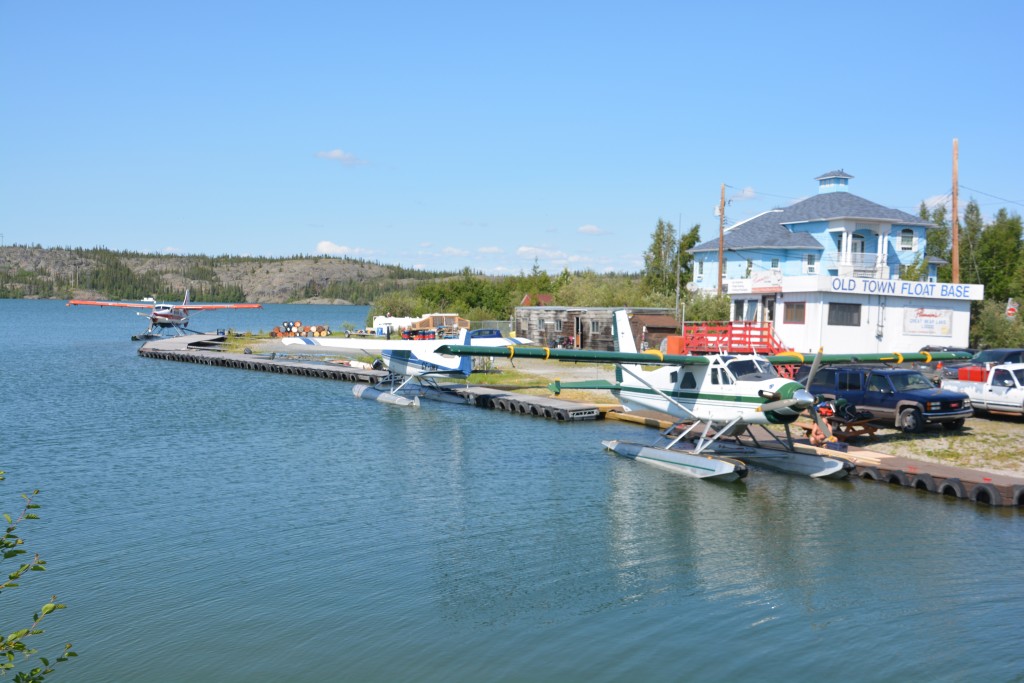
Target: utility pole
(679, 259)
(721, 238)
(955, 255)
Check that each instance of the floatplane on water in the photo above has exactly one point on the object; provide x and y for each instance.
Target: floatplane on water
(715, 399)
(413, 365)
(374, 346)
(164, 319)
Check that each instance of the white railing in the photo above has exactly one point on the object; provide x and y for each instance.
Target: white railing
(856, 265)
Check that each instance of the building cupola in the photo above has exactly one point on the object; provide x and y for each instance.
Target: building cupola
(833, 181)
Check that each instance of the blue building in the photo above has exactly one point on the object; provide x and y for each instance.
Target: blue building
(833, 263)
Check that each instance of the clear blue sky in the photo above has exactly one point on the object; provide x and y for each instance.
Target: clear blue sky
(488, 135)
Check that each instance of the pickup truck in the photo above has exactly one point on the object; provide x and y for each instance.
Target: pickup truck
(1000, 388)
(904, 399)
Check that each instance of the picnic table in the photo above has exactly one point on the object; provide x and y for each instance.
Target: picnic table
(842, 429)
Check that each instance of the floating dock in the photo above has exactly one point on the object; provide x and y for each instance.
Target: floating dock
(984, 488)
(203, 349)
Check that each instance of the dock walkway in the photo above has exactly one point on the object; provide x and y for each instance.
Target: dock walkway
(205, 350)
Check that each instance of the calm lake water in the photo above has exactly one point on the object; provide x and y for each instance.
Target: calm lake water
(210, 524)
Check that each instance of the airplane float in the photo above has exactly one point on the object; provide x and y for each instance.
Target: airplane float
(710, 397)
(163, 318)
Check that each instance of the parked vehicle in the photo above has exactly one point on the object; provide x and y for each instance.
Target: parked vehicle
(1000, 389)
(984, 359)
(904, 399)
(933, 370)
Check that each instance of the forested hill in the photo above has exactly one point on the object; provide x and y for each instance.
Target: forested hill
(38, 272)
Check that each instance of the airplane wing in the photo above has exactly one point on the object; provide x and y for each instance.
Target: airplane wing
(214, 307)
(796, 358)
(575, 355)
(149, 304)
(653, 357)
(119, 304)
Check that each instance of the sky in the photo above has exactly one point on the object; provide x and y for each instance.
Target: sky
(493, 136)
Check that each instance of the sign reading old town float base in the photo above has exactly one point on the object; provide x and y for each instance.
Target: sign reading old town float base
(926, 290)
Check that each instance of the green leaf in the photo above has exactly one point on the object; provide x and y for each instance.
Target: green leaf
(48, 607)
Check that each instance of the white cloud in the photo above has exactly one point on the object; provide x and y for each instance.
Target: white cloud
(553, 256)
(590, 230)
(331, 249)
(454, 251)
(171, 250)
(341, 156)
(538, 252)
(490, 250)
(743, 195)
(936, 201)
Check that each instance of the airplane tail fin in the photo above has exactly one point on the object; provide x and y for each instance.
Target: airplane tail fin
(465, 362)
(187, 300)
(624, 341)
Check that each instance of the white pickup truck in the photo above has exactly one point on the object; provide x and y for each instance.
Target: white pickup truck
(1000, 388)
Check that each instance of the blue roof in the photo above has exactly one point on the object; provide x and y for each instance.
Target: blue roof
(771, 229)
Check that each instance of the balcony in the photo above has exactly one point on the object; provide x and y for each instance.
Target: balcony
(856, 265)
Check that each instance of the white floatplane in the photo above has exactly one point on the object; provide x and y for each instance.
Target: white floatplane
(374, 346)
(715, 400)
(413, 365)
(163, 318)
(412, 375)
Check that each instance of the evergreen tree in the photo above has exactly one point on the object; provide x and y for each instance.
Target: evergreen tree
(660, 259)
(687, 242)
(969, 236)
(998, 254)
(939, 243)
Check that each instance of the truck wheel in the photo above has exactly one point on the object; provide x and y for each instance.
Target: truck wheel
(953, 425)
(911, 421)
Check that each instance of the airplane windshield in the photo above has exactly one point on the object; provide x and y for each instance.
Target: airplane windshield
(752, 368)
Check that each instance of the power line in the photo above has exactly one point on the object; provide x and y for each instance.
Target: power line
(1002, 199)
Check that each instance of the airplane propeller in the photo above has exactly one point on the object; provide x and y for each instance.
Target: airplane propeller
(818, 420)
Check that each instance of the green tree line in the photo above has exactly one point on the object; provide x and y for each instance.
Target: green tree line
(991, 254)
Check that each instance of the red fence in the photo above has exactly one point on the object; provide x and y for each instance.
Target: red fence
(739, 336)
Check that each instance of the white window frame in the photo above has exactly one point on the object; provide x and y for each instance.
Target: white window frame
(913, 240)
(810, 264)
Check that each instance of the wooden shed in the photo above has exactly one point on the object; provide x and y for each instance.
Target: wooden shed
(574, 327)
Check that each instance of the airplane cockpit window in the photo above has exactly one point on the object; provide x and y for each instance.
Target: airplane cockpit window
(752, 369)
(689, 381)
(720, 376)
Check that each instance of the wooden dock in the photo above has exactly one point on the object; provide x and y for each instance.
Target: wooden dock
(979, 487)
(205, 350)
